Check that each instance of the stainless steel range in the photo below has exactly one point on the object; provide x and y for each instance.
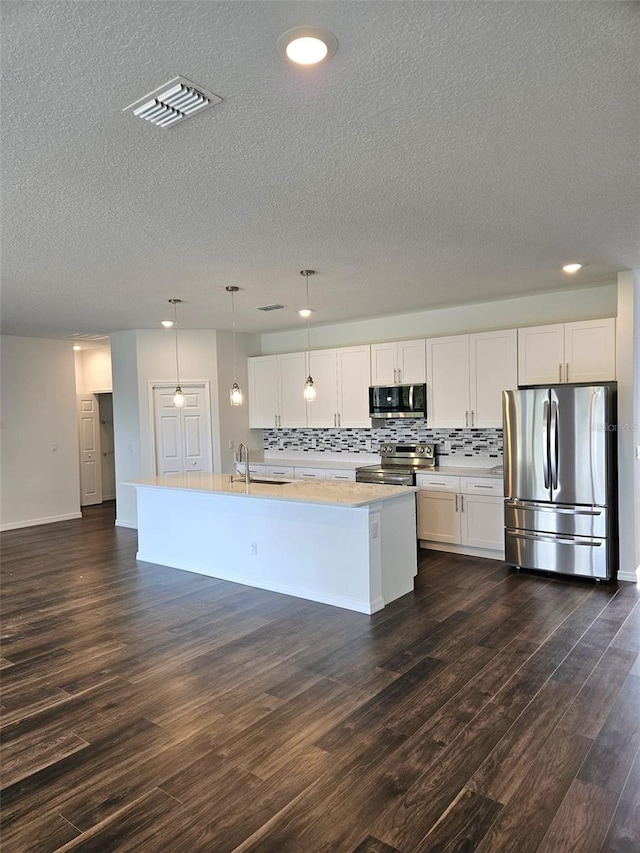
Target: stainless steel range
(399, 464)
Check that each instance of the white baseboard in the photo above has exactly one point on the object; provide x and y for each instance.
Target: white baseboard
(628, 577)
(121, 522)
(286, 589)
(35, 522)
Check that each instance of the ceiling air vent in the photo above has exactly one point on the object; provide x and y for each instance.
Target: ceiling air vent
(275, 307)
(175, 101)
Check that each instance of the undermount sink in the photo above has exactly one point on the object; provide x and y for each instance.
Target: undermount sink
(269, 481)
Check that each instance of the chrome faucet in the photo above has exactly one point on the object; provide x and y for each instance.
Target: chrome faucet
(247, 473)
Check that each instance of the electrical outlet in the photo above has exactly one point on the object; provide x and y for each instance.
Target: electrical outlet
(54, 446)
(254, 549)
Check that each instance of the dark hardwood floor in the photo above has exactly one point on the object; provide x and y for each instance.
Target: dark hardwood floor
(150, 709)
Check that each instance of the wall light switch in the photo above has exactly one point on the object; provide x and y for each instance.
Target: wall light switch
(54, 446)
(638, 451)
(232, 444)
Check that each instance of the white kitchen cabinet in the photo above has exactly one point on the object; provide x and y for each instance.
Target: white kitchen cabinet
(276, 386)
(310, 473)
(354, 378)
(342, 378)
(398, 363)
(284, 471)
(348, 476)
(466, 375)
(583, 351)
(465, 515)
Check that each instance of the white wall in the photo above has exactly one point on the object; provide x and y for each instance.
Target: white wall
(145, 357)
(582, 304)
(39, 484)
(94, 368)
(628, 370)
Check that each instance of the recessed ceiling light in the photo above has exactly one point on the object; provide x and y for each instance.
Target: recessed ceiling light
(571, 268)
(305, 312)
(76, 347)
(167, 323)
(307, 45)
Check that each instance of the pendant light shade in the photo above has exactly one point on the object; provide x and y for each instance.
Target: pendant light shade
(178, 395)
(309, 386)
(235, 394)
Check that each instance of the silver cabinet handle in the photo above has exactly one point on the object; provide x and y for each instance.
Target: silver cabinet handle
(461, 503)
(466, 419)
(399, 375)
(275, 417)
(473, 418)
(456, 503)
(339, 419)
(334, 419)
(566, 372)
(482, 487)
(560, 372)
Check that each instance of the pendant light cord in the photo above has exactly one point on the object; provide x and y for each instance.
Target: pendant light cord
(233, 317)
(306, 275)
(175, 323)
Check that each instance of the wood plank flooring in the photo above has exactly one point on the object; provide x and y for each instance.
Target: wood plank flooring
(149, 709)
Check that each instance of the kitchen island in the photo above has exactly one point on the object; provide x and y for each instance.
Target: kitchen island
(352, 545)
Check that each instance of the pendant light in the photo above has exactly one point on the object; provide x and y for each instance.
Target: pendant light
(309, 387)
(235, 394)
(178, 396)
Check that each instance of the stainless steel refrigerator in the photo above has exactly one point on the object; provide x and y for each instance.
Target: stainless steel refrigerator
(560, 479)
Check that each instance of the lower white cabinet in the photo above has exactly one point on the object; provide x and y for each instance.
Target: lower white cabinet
(310, 473)
(341, 474)
(464, 513)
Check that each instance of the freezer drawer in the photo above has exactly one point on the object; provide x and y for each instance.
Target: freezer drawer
(567, 555)
(555, 518)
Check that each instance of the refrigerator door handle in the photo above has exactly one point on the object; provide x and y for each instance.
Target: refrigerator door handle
(545, 442)
(554, 444)
(554, 508)
(565, 540)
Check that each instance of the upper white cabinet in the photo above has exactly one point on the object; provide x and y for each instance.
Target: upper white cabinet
(398, 363)
(276, 386)
(466, 375)
(584, 351)
(342, 378)
(354, 378)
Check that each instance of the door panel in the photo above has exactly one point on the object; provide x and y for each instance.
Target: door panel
(541, 355)
(90, 455)
(525, 445)
(448, 382)
(354, 378)
(552, 518)
(438, 519)
(580, 437)
(494, 369)
(482, 519)
(323, 411)
(182, 436)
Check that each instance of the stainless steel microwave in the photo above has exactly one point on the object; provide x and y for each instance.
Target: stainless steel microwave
(398, 401)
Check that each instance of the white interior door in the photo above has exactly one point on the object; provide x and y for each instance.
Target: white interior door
(182, 436)
(89, 445)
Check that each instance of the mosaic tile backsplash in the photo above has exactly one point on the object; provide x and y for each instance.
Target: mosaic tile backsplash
(451, 443)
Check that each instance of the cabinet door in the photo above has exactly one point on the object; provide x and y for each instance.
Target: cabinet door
(448, 382)
(291, 379)
(340, 474)
(263, 391)
(310, 473)
(411, 362)
(438, 518)
(541, 355)
(494, 369)
(354, 378)
(323, 411)
(482, 520)
(590, 351)
(384, 364)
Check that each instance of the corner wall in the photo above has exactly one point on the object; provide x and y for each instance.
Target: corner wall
(39, 485)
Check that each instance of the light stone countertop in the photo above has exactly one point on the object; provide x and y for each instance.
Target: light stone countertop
(311, 491)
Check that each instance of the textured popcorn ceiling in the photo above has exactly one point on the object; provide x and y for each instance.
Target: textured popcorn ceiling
(450, 152)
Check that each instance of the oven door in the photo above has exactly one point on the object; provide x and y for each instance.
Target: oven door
(384, 477)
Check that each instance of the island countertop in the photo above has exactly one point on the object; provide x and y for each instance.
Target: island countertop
(304, 491)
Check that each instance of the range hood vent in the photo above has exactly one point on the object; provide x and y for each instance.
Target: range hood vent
(174, 102)
(275, 307)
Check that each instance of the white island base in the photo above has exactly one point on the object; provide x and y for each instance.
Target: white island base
(350, 547)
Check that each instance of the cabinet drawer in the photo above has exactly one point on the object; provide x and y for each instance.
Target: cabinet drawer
(336, 474)
(438, 483)
(278, 471)
(481, 486)
(310, 473)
